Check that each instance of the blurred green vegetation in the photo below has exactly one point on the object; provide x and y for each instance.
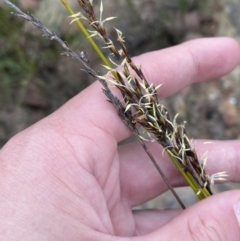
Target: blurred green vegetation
(19, 63)
(27, 57)
(186, 5)
(14, 62)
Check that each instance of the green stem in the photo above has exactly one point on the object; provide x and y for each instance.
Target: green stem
(201, 192)
(85, 32)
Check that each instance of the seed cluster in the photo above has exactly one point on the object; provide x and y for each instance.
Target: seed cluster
(141, 105)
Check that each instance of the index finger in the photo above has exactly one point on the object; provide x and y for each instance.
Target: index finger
(191, 62)
(175, 68)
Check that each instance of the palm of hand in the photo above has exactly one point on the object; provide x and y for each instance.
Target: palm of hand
(74, 173)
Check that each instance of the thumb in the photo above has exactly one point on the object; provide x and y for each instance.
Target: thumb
(215, 218)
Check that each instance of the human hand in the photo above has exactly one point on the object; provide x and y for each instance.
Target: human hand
(65, 178)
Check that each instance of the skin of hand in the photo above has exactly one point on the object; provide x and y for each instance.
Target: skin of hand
(65, 178)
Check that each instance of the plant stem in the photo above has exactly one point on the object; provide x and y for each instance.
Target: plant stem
(160, 172)
(85, 32)
(201, 192)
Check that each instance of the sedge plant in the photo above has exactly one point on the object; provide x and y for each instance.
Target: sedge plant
(141, 107)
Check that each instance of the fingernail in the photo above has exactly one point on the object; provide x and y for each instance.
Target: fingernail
(236, 209)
